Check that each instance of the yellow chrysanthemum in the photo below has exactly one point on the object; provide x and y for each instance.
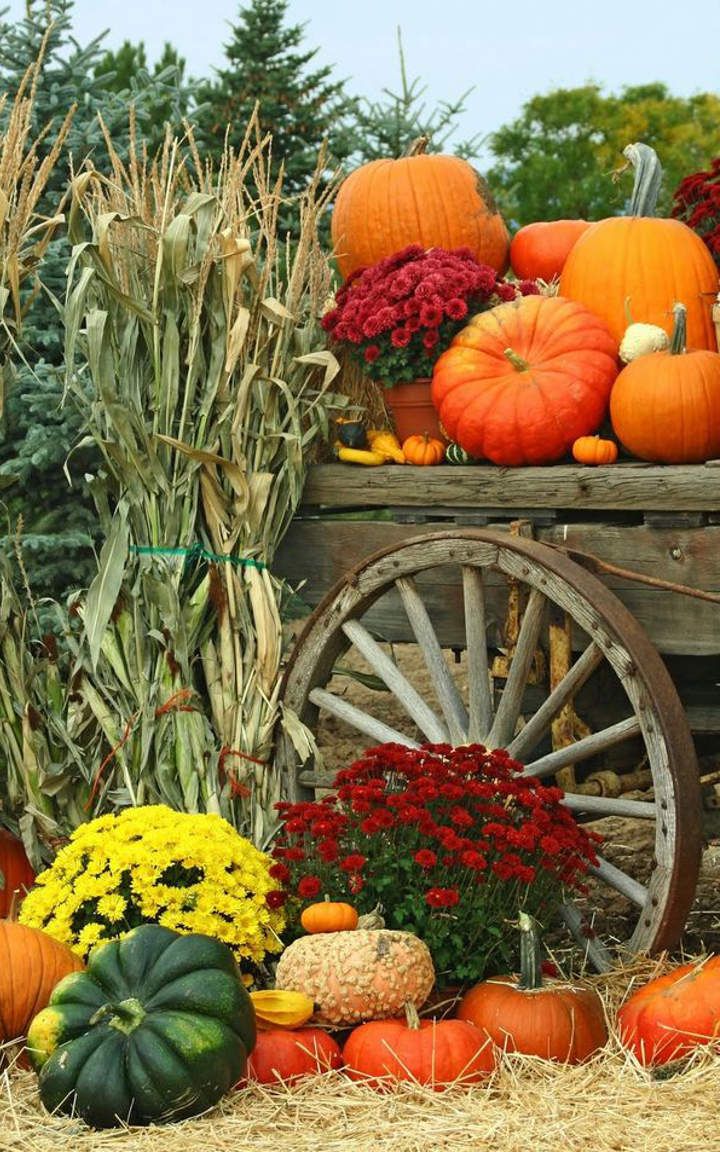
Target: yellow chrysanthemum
(190, 872)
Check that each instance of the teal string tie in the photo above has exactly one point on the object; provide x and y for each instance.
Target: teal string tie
(197, 552)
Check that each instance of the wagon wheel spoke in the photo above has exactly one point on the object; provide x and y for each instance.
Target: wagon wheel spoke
(584, 749)
(359, 720)
(446, 691)
(399, 685)
(536, 727)
(480, 702)
(510, 704)
(459, 582)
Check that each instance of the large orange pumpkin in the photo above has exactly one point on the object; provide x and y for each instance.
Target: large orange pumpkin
(643, 263)
(524, 380)
(539, 251)
(432, 1052)
(16, 872)
(555, 1021)
(672, 1015)
(31, 964)
(437, 201)
(665, 407)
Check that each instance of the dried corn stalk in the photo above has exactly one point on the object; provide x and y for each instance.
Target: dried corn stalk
(194, 350)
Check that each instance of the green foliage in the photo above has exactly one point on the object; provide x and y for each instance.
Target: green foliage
(165, 92)
(301, 105)
(384, 128)
(555, 161)
(39, 430)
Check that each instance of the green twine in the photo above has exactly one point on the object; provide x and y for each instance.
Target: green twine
(197, 552)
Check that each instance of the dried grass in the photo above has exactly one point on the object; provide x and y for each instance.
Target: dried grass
(609, 1104)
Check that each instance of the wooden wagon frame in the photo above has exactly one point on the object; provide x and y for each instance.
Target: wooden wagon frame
(586, 605)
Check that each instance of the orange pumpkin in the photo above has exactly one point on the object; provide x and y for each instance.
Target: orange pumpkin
(672, 1015)
(284, 1057)
(366, 974)
(31, 964)
(436, 201)
(16, 872)
(423, 450)
(665, 407)
(432, 1052)
(329, 916)
(644, 262)
(539, 251)
(524, 380)
(555, 1021)
(594, 450)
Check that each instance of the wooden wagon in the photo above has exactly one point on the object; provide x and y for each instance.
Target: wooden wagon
(569, 614)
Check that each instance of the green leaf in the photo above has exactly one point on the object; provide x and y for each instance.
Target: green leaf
(105, 588)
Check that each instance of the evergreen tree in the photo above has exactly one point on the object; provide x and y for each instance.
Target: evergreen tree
(167, 93)
(299, 104)
(39, 432)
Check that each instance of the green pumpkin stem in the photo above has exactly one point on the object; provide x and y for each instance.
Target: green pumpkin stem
(679, 333)
(530, 962)
(126, 1016)
(411, 1016)
(517, 361)
(648, 178)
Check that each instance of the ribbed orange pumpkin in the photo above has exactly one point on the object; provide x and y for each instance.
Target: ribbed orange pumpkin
(524, 380)
(555, 1021)
(329, 916)
(672, 1015)
(594, 450)
(665, 407)
(16, 873)
(31, 964)
(643, 262)
(437, 201)
(366, 974)
(539, 250)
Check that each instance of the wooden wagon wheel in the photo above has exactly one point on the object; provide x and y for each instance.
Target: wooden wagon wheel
(610, 645)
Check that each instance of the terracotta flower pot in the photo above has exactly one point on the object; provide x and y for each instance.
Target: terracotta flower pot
(412, 409)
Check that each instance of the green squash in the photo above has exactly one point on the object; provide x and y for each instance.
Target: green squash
(157, 1028)
(454, 454)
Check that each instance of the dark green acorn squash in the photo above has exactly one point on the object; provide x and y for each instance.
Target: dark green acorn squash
(157, 1028)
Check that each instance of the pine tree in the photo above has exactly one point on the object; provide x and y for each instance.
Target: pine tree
(299, 104)
(39, 432)
(127, 72)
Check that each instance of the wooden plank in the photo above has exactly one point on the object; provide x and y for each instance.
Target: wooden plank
(644, 487)
(316, 553)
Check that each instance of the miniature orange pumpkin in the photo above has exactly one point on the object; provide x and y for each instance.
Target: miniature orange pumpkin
(423, 449)
(672, 1015)
(555, 1021)
(432, 1052)
(329, 916)
(539, 251)
(284, 1057)
(436, 201)
(16, 872)
(644, 261)
(594, 450)
(524, 380)
(366, 974)
(665, 407)
(31, 964)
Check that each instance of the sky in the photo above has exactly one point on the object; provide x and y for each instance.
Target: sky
(506, 53)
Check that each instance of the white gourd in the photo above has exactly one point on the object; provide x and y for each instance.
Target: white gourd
(641, 339)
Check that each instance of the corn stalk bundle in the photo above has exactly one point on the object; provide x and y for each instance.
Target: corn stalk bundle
(194, 351)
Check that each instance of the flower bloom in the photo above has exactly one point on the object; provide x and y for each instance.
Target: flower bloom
(425, 858)
(442, 897)
(309, 886)
(353, 863)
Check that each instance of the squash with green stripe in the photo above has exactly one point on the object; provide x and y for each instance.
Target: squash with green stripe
(454, 454)
(157, 1028)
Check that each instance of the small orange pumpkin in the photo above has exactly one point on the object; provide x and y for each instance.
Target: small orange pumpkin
(594, 450)
(539, 250)
(665, 407)
(423, 449)
(555, 1021)
(672, 1015)
(329, 916)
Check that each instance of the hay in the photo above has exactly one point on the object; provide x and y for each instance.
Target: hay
(608, 1105)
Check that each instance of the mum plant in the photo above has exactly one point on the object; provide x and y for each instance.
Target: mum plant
(188, 872)
(696, 201)
(398, 315)
(452, 842)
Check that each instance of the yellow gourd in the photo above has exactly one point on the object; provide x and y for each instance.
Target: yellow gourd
(386, 442)
(359, 456)
(277, 1009)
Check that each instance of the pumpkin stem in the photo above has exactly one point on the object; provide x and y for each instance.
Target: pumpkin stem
(648, 178)
(530, 963)
(517, 362)
(679, 333)
(411, 1016)
(418, 146)
(125, 1016)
